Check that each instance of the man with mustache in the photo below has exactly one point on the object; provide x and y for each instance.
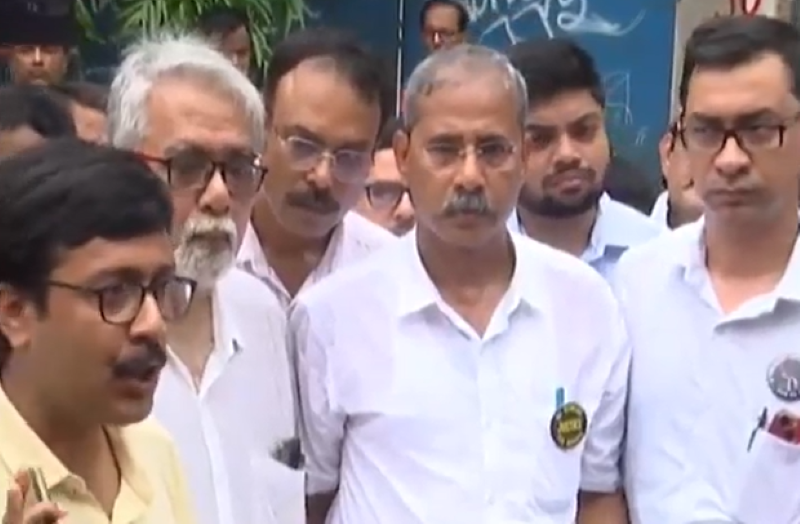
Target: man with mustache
(712, 307)
(442, 379)
(327, 98)
(562, 202)
(226, 394)
(87, 282)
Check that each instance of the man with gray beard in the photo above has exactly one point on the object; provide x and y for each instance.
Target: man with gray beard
(198, 121)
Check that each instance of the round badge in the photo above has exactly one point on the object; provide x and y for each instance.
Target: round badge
(568, 425)
(783, 378)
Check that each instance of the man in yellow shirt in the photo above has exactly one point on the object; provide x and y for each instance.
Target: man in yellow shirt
(87, 282)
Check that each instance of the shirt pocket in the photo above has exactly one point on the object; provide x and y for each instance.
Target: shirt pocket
(768, 482)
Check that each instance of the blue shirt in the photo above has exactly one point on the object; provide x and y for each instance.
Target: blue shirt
(617, 228)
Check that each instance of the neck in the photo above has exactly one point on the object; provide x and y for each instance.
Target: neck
(190, 334)
(730, 246)
(76, 442)
(451, 266)
(275, 238)
(571, 234)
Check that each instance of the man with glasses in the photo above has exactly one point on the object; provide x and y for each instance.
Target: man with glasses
(327, 99)
(442, 380)
(87, 283)
(226, 392)
(713, 308)
(443, 24)
(386, 200)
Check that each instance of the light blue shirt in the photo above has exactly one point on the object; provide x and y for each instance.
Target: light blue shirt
(617, 228)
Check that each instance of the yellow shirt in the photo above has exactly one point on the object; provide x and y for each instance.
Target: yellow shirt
(152, 487)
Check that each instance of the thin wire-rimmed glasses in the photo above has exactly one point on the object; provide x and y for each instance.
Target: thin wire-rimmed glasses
(346, 165)
(191, 171)
(385, 195)
(120, 304)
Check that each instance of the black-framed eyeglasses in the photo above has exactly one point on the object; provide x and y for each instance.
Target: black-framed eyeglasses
(346, 165)
(753, 138)
(492, 154)
(192, 171)
(385, 195)
(120, 303)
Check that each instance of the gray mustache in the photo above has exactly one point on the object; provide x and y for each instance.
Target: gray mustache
(468, 204)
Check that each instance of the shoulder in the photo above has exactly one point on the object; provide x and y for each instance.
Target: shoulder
(561, 269)
(367, 235)
(238, 289)
(644, 264)
(638, 225)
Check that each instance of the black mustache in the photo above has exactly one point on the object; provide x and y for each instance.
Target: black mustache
(152, 356)
(468, 204)
(321, 202)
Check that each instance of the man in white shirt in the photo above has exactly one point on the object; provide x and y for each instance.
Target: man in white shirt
(225, 394)
(713, 308)
(562, 202)
(442, 380)
(326, 99)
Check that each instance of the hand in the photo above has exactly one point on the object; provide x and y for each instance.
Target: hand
(39, 513)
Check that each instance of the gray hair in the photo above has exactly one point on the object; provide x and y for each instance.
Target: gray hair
(181, 56)
(463, 62)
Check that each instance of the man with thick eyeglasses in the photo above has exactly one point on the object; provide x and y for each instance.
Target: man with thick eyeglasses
(386, 200)
(87, 284)
(327, 98)
(225, 394)
(713, 307)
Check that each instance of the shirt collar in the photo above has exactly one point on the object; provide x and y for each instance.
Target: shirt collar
(21, 448)
(690, 258)
(250, 256)
(608, 233)
(417, 292)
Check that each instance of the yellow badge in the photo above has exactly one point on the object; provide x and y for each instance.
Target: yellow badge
(568, 425)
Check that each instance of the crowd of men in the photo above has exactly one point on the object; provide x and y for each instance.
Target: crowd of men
(223, 304)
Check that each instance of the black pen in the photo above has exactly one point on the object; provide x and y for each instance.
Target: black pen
(761, 424)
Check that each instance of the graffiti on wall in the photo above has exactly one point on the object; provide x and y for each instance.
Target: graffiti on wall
(500, 23)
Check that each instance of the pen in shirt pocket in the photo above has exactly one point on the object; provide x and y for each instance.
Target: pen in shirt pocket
(761, 424)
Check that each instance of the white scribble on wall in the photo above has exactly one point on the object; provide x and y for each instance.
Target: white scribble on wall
(512, 21)
(556, 17)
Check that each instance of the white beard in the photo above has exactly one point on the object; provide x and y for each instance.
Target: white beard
(201, 260)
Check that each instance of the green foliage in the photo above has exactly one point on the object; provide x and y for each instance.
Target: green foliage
(270, 19)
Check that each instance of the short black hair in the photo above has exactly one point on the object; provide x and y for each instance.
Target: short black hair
(463, 14)
(85, 94)
(61, 195)
(555, 66)
(222, 20)
(37, 108)
(386, 136)
(364, 70)
(728, 42)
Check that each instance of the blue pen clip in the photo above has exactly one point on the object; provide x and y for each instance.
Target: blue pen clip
(560, 398)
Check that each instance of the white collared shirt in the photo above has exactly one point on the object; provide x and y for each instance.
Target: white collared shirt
(227, 429)
(416, 419)
(698, 379)
(617, 228)
(354, 239)
(660, 212)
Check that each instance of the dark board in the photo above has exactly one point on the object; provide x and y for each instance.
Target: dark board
(631, 40)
